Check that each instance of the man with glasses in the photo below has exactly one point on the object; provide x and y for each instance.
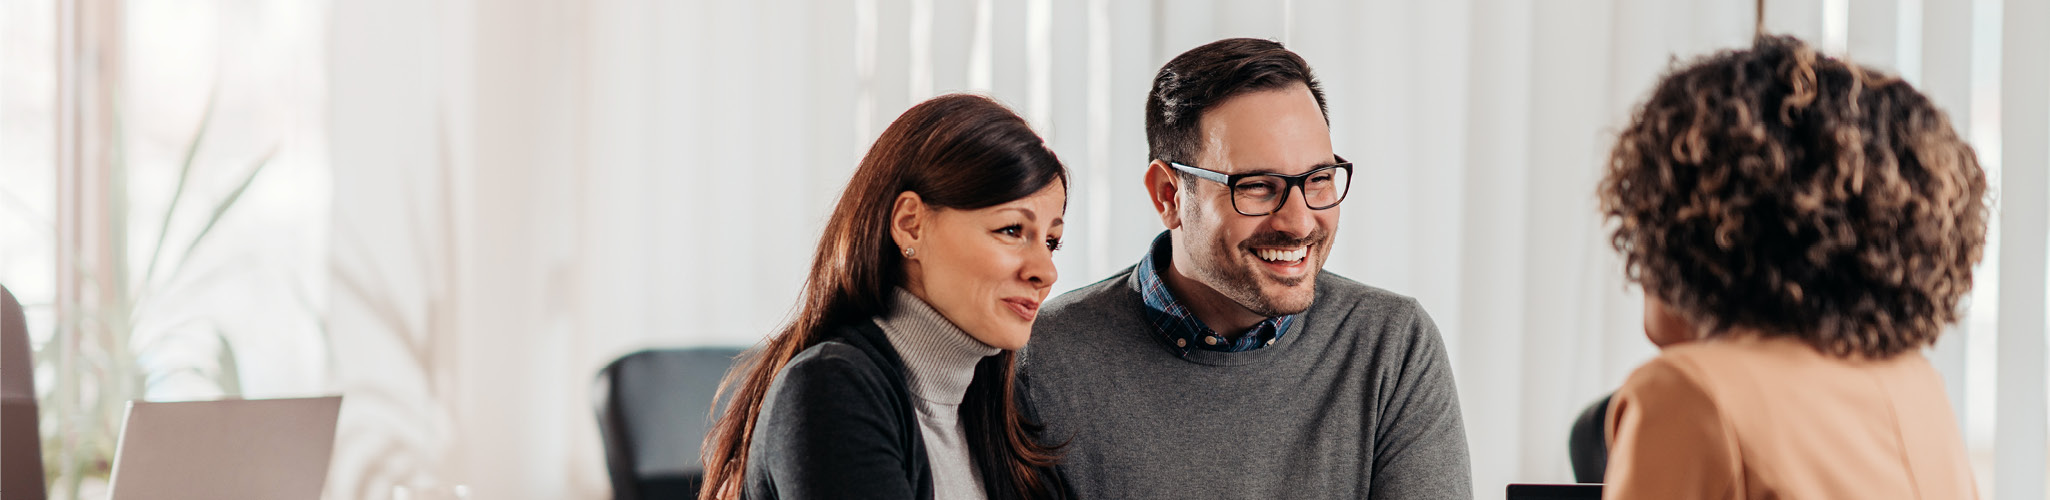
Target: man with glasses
(1226, 364)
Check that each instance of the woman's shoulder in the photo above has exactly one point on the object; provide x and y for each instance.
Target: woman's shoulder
(845, 357)
(834, 357)
(826, 383)
(1690, 375)
(1746, 355)
(1742, 374)
(831, 409)
(1667, 374)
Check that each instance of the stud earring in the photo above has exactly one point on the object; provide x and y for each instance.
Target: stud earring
(908, 252)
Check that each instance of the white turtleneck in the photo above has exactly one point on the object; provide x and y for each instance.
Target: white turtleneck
(939, 361)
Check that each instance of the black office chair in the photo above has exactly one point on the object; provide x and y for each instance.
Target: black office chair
(1588, 446)
(653, 411)
(21, 450)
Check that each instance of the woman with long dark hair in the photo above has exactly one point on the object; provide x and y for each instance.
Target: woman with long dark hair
(894, 379)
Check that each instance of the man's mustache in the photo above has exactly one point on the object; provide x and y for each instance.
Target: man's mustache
(1280, 239)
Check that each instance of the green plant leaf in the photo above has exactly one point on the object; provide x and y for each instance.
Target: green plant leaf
(221, 209)
(153, 378)
(206, 119)
(21, 208)
(229, 374)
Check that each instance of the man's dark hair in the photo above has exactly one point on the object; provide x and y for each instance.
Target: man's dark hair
(1198, 79)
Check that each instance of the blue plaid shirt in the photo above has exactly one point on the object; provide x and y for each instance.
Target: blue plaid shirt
(1179, 327)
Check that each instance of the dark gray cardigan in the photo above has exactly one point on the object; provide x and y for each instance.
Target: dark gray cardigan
(838, 423)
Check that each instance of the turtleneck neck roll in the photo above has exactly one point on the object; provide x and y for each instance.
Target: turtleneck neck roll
(940, 357)
(939, 361)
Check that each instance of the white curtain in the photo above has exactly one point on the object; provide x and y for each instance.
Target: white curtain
(526, 189)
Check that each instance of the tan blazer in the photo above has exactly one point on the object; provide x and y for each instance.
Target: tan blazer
(1773, 418)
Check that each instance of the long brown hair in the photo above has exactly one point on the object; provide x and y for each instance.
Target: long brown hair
(956, 151)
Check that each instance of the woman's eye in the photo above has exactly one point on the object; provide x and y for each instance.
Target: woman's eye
(1053, 244)
(1011, 231)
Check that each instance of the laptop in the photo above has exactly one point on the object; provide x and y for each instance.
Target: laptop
(238, 448)
(1584, 491)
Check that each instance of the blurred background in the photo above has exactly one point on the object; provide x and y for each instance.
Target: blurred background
(456, 212)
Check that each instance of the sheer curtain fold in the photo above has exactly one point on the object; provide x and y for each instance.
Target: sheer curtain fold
(625, 173)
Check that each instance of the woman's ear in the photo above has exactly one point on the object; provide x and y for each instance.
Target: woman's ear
(1162, 187)
(908, 217)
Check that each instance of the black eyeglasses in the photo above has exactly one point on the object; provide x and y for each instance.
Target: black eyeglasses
(1260, 194)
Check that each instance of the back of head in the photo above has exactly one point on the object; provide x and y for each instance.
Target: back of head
(1778, 190)
(1199, 79)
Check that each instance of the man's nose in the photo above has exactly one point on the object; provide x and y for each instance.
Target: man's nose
(1294, 216)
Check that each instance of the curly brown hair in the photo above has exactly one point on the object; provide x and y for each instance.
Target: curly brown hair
(1778, 190)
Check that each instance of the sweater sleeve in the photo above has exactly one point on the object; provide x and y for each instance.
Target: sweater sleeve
(1421, 450)
(1667, 439)
(828, 431)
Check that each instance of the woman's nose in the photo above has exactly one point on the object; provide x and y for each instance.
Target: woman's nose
(1039, 268)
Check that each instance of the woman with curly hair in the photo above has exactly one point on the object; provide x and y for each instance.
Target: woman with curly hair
(1801, 227)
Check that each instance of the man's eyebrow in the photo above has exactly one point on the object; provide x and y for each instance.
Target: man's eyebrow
(1319, 165)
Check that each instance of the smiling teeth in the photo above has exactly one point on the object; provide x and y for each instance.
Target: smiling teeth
(1281, 255)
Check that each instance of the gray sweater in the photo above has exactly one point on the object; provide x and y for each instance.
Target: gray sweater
(1355, 401)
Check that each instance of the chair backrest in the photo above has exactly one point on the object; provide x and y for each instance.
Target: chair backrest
(654, 408)
(21, 450)
(1588, 446)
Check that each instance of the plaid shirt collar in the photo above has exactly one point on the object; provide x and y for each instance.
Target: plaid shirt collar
(1179, 327)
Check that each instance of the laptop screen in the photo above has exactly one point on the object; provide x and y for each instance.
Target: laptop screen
(1555, 492)
(254, 448)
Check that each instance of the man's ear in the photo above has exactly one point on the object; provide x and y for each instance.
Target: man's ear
(908, 217)
(1163, 188)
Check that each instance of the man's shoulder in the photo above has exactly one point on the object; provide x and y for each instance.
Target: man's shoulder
(1112, 294)
(1371, 317)
(1344, 294)
(1075, 322)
